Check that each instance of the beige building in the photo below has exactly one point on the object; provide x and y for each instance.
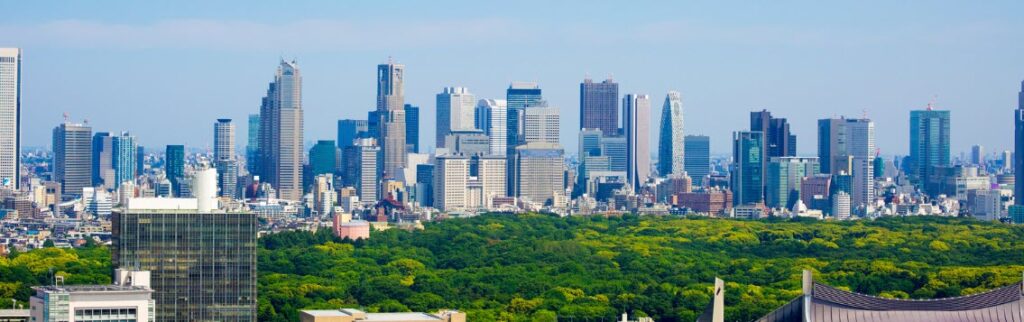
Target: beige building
(353, 315)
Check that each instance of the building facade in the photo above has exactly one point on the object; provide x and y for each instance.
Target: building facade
(518, 97)
(174, 167)
(784, 179)
(491, 118)
(671, 143)
(72, 158)
(599, 106)
(929, 143)
(747, 180)
(281, 132)
(455, 112)
(391, 118)
(636, 117)
(10, 117)
(412, 128)
(124, 158)
(538, 171)
(698, 157)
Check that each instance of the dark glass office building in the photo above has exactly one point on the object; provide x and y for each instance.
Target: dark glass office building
(412, 128)
(697, 156)
(174, 167)
(203, 264)
(599, 106)
(747, 172)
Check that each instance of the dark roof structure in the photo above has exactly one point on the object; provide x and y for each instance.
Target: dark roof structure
(823, 303)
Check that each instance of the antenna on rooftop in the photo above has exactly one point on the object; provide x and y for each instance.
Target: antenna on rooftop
(66, 117)
(931, 103)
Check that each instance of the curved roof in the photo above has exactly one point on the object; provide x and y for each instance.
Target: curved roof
(827, 294)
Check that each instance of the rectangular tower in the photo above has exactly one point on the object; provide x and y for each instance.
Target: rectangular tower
(747, 173)
(636, 121)
(599, 106)
(391, 118)
(10, 116)
(698, 157)
(929, 144)
(72, 158)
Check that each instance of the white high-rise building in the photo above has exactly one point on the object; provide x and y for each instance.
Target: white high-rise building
(281, 125)
(861, 146)
(636, 120)
(538, 170)
(223, 140)
(540, 124)
(455, 109)
(451, 178)
(491, 172)
(671, 142)
(841, 205)
(10, 116)
(491, 118)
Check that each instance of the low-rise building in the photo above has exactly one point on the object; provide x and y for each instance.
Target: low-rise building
(353, 315)
(129, 299)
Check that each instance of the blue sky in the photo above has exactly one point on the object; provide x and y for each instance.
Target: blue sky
(166, 70)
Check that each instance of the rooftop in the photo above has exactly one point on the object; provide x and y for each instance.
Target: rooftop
(91, 288)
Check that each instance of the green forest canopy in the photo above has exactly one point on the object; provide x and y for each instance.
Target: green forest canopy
(537, 267)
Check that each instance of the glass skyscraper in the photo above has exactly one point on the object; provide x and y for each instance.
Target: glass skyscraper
(323, 158)
(102, 159)
(174, 167)
(252, 146)
(636, 117)
(280, 137)
(747, 172)
(72, 158)
(203, 265)
(124, 159)
(929, 144)
(412, 128)
(784, 177)
(518, 97)
(698, 157)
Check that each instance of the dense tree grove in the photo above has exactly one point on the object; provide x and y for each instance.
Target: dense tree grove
(541, 268)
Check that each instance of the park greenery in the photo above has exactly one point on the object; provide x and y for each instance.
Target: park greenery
(542, 268)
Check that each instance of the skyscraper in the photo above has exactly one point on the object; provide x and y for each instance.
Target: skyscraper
(10, 116)
(1018, 149)
(412, 128)
(747, 176)
(599, 106)
(252, 147)
(784, 178)
(778, 140)
(451, 176)
(671, 151)
(518, 97)
(698, 157)
(929, 144)
(323, 158)
(202, 259)
(540, 124)
(491, 118)
(224, 158)
(391, 116)
(124, 158)
(978, 155)
(349, 130)
(538, 169)
(455, 109)
(103, 160)
(223, 140)
(281, 126)
(72, 158)
(636, 120)
(361, 162)
(174, 167)
(848, 145)
(590, 143)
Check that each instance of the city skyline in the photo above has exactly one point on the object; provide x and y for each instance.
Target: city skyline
(924, 56)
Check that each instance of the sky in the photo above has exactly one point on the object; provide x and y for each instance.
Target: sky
(166, 70)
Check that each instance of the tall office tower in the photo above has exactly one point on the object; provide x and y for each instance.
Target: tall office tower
(323, 158)
(1018, 149)
(849, 145)
(72, 158)
(599, 106)
(747, 177)
(224, 158)
(174, 167)
(698, 157)
(671, 151)
(541, 124)
(636, 120)
(140, 160)
(538, 169)
(412, 128)
(451, 176)
(1007, 160)
(978, 155)
(350, 130)
(223, 140)
(281, 126)
(929, 143)
(785, 174)
(103, 160)
(10, 116)
(361, 162)
(814, 191)
(590, 143)
(391, 117)
(779, 142)
(616, 149)
(252, 147)
(455, 108)
(491, 118)
(491, 172)
(425, 184)
(518, 97)
(212, 280)
(124, 158)
(373, 124)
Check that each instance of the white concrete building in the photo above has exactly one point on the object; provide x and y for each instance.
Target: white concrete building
(491, 117)
(455, 112)
(10, 115)
(129, 299)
